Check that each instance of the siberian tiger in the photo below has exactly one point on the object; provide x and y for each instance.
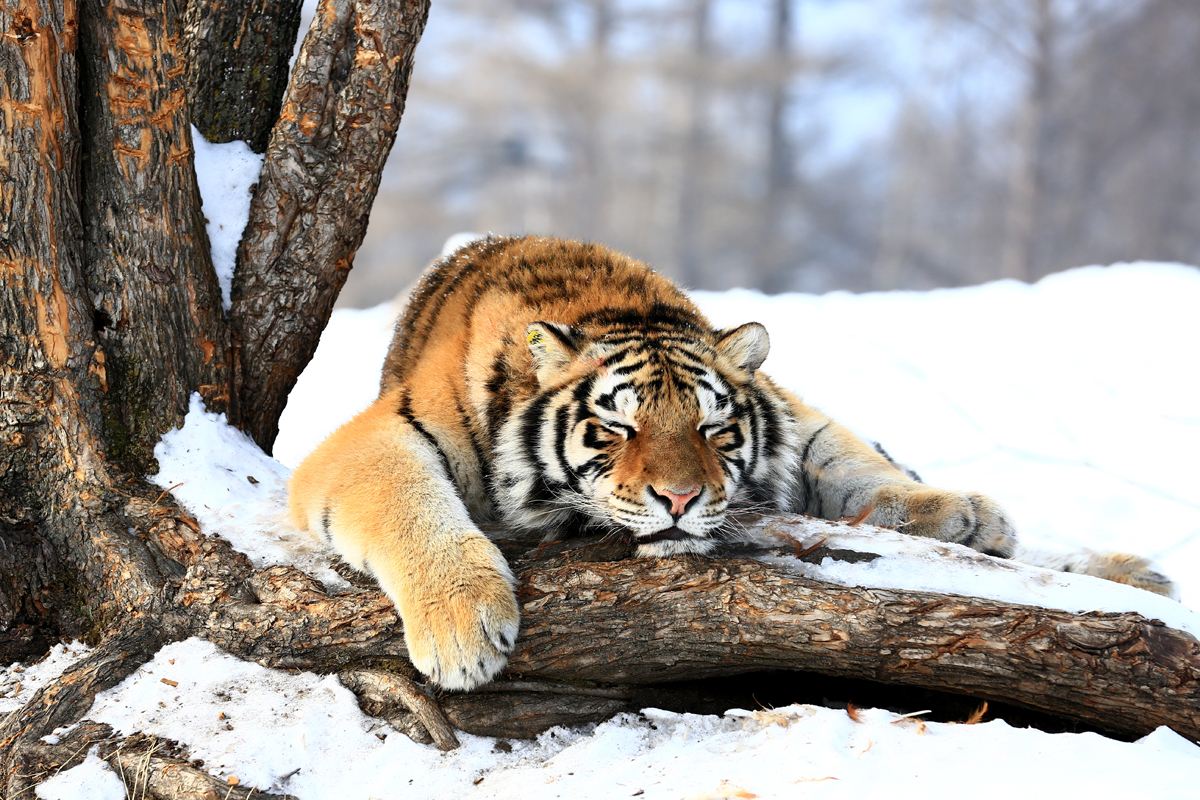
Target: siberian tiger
(550, 383)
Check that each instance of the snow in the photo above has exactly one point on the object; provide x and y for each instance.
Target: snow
(18, 683)
(314, 724)
(93, 779)
(226, 174)
(1069, 401)
(922, 565)
(350, 355)
(233, 489)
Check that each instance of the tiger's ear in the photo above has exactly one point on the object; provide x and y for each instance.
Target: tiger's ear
(552, 345)
(746, 345)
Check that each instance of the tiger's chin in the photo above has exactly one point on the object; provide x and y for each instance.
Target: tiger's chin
(670, 542)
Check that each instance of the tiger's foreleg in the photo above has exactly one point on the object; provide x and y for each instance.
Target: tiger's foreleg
(843, 477)
(380, 495)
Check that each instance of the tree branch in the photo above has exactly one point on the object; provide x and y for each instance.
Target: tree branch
(309, 211)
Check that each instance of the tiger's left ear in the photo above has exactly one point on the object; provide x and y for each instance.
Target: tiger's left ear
(552, 346)
(746, 345)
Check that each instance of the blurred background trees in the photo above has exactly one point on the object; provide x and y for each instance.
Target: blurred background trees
(802, 144)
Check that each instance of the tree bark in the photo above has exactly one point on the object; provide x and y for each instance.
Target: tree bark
(158, 321)
(603, 633)
(309, 211)
(638, 622)
(109, 317)
(237, 66)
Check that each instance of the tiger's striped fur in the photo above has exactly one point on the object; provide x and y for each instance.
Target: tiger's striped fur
(551, 384)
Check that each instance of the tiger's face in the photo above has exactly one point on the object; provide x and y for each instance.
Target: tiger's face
(650, 432)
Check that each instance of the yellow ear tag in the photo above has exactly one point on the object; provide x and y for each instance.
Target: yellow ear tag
(534, 337)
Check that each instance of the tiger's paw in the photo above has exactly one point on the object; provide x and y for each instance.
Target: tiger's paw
(965, 518)
(1128, 569)
(460, 616)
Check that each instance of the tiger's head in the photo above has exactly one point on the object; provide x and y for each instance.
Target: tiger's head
(651, 429)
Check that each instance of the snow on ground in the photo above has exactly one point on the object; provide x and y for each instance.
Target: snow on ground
(226, 173)
(314, 726)
(94, 779)
(1069, 401)
(18, 682)
(235, 490)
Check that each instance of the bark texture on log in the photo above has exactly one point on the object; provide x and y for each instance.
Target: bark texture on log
(158, 319)
(237, 63)
(319, 179)
(150, 767)
(639, 622)
(65, 701)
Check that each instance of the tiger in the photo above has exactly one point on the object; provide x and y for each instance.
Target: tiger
(553, 385)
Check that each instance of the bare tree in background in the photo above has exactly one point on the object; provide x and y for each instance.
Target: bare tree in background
(1024, 137)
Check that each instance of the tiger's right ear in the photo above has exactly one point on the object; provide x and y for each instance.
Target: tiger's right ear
(553, 346)
(746, 346)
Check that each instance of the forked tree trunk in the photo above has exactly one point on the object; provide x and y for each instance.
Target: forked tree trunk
(110, 317)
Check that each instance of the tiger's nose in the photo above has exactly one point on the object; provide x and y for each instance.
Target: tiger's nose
(674, 499)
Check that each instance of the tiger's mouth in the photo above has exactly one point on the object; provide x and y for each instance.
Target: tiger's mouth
(671, 534)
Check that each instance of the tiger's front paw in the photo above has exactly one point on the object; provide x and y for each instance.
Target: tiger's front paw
(460, 616)
(965, 518)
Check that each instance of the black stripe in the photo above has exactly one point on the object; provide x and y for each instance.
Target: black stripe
(804, 459)
(531, 426)
(613, 358)
(755, 440)
(738, 440)
(660, 314)
(563, 339)
(608, 399)
(499, 402)
(846, 496)
(561, 419)
(972, 537)
(405, 411)
(600, 465)
(630, 368)
(485, 466)
(772, 438)
(325, 529)
(820, 468)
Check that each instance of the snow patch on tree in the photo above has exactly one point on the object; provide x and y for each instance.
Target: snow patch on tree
(226, 173)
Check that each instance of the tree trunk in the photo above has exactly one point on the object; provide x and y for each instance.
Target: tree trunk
(237, 66)
(773, 254)
(147, 259)
(110, 316)
(1019, 258)
(689, 231)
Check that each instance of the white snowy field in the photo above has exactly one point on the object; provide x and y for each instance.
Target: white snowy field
(1070, 401)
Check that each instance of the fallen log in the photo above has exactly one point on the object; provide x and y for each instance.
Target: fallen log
(593, 617)
(604, 633)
